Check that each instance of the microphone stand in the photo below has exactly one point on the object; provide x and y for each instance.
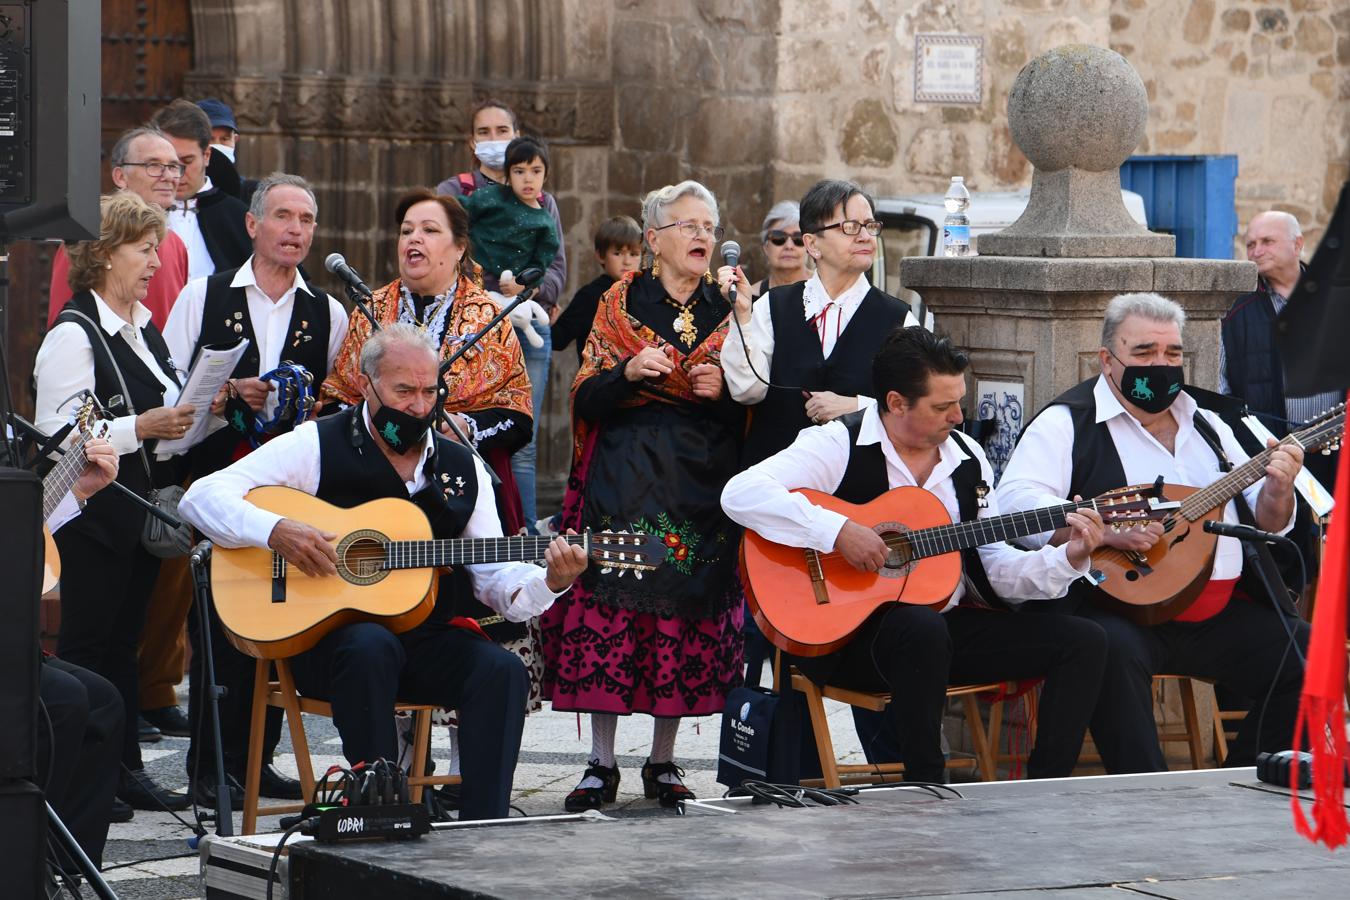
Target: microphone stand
(212, 691)
(42, 438)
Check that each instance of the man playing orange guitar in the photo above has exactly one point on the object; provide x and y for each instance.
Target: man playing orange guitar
(385, 447)
(914, 651)
(1131, 424)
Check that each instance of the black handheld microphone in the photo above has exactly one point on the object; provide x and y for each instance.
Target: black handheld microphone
(200, 553)
(1244, 532)
(731, 256)
(529, 277)
(338, 266)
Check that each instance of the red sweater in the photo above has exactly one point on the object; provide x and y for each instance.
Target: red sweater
(164, 285)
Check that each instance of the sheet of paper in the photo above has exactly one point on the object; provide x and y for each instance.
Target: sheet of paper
(209, 373)
(1318, 497)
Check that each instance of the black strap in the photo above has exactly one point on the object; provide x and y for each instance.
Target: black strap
(93, 328)
(1257, 552)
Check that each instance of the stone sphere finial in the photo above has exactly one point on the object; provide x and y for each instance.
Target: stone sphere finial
(1078, 105)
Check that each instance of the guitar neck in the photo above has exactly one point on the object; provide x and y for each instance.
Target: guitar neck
(470, 551)
(63, 475)
(992, 530)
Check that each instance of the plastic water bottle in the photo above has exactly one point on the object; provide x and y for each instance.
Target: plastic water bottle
(956, 227)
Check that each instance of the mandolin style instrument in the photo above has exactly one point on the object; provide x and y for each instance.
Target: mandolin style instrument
(810, 603)
(387, 561)
(1153, 586)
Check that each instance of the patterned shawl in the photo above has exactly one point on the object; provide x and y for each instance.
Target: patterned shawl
(490, 376)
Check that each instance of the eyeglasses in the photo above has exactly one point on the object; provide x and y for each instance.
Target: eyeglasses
(779, 238)
(851, 227)
(693, 229)
(157, 170)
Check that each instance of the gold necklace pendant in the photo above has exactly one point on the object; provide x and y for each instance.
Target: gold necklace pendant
(684, 324)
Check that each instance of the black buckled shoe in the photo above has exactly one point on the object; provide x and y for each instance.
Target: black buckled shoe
(584, 798)
(272, 783)
(170, 720)
(204, 792)
(669, 793)
(141, 792)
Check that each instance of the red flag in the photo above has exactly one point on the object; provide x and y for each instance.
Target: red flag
(1320, 709)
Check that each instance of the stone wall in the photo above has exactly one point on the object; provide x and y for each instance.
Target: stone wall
(1268, 81)
(756, 98)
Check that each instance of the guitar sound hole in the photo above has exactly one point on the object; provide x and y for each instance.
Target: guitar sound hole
(900, 558)
(361, 557)
(1131, 575)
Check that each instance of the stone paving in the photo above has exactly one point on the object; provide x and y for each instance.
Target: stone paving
(149, 857)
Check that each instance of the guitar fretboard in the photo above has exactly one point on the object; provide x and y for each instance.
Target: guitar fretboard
(992, 530)
(63, 476)
(470, 551)
(1253, 470)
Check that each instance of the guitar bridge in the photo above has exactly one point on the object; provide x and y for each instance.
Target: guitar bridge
(278, 578)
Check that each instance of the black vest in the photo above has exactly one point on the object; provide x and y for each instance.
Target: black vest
(353, 470)
(1252, 361)
(225, 307)
(799, 363)
(1097, 467)
(864, 480)
(111, 517)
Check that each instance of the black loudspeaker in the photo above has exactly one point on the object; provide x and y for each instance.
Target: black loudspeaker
(50, 95)
(23, 839)
(20, 587)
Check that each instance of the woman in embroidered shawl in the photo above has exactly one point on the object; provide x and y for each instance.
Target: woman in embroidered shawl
(439, 289)
(655, 439)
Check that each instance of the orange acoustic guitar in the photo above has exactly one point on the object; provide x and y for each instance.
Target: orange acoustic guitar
(386, 571)
(810, 603)
(1159, 584)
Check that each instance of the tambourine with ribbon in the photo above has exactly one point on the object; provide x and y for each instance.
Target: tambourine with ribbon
(295, 402)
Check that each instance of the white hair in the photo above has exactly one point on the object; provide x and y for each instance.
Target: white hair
(1154, 307)
(789, 212)
(656, 202)
(396, 335)
(1288, 219)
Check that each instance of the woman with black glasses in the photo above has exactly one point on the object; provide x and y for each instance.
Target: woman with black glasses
(805, 356)
(781, 235)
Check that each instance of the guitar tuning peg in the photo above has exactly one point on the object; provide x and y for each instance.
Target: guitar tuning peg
(606, 570)
(637, 573)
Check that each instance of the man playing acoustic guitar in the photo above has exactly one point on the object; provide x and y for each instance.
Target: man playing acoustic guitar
(1134, 423)
(915, 651)
(385, 447)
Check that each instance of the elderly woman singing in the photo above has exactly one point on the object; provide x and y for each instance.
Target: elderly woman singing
(655, 439)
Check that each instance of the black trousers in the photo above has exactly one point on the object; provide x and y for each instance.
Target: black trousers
(915, 653)
(234, 672)
(83, 750)
(104, 595)
(1244, 648)
(363, 669)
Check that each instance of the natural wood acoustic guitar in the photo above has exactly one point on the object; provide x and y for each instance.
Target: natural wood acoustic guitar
(810, 603)
(386, 571)
(60, 480)
(1154, 586)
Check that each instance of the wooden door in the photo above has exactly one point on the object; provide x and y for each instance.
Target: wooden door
(146, 49)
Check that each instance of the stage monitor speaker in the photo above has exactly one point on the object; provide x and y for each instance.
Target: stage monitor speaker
(50, 117)
(21, 580)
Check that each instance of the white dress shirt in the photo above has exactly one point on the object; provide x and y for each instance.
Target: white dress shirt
(66, 510)
(830, 315)
(1040, 469)
(183, 222)
(270, 322)
(65, 365)
(759, 498)
(215, 505)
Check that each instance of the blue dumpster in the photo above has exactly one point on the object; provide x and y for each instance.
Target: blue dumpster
(1190, 197)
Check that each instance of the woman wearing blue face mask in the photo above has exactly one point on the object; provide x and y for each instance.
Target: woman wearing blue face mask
(493, 125)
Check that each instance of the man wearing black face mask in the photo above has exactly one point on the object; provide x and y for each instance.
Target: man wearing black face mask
(1129, 425)
(383, 447)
